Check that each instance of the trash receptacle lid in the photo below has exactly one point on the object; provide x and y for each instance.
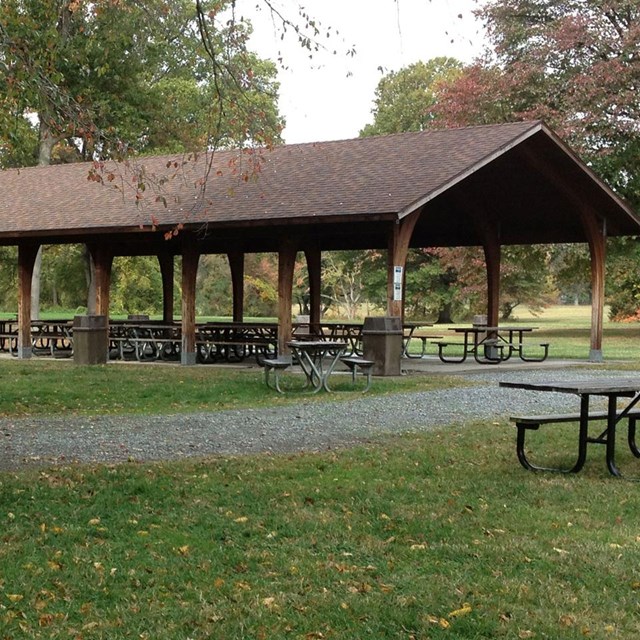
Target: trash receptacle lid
(90, 322)
(382, 324)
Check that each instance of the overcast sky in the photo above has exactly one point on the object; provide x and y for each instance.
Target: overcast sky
(330, 97)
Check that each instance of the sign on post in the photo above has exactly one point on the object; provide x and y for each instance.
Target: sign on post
(397, 283)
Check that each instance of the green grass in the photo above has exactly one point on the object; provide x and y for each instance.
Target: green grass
(435, 536)
(45, 387)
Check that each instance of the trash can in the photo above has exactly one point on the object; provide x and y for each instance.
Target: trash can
(382, 343)
(90, 339)
(480, 320)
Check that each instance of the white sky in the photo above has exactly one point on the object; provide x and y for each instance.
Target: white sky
(330, 97)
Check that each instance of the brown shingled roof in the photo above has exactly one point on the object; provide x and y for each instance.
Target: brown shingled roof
(368, 179)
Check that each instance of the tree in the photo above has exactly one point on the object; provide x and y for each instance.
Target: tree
(623, 282)
(570, 268)
(343, 276)
(573, 63)
(403, 99)
(109, 78)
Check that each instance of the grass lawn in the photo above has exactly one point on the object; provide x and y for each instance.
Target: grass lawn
(437, 536)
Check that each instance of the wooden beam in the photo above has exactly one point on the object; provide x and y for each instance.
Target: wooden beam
(165, 260)
(190, 257)
(26, 261)
(314, 269)
(286, 263)
(236, 266)
(398, 247)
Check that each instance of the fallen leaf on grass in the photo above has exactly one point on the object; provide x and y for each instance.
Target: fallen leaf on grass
(441, 622)
(462, 611)
(567, 621)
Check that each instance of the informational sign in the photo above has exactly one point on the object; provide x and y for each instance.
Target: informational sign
(397, 283)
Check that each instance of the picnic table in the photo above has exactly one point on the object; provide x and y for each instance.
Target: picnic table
(491, 345)
(52, 337)
(627, 389)
(235, 341)
(317, 359)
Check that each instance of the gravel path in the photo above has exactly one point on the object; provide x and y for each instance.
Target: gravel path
(304, 427)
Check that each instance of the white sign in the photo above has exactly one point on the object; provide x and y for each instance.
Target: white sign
(397, 283)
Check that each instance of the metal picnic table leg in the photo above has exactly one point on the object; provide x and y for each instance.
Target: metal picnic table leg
(583, 434)
(311, 371)
(329, 371)
(612, 419)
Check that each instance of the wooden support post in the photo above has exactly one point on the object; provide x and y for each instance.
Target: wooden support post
(314, 269)
(26, 260)
(398, 248)
(165, 260)
(286, 263)
(597, 238)
(190, 257)
(491, 246)
(236, 266)
(103, 261)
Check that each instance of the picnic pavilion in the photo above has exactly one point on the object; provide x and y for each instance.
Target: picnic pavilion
(487, 186)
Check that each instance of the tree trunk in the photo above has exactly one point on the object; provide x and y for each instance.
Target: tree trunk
(444, 315)
(45, 144)
(45, 147)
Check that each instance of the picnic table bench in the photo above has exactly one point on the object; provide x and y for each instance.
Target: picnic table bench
(533, 423)
(355, 364)
(233, 342)
(413, 331)
(52, 337)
